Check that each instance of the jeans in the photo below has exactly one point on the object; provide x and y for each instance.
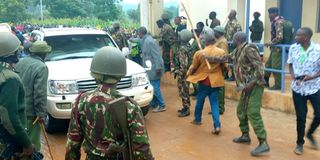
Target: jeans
(212, 93)
(300, 104)
(157, 96)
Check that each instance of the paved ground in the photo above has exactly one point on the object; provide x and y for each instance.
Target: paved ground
(174, 138)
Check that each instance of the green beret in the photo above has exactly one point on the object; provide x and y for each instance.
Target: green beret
(219, 29)
(273, 10)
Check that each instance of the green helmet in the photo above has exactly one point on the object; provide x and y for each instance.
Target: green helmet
(185, 35)
(9, 44)
(165, 16)
(208, 34)
(40, 47)
(116, 25)
(109, 61)
(219, 29)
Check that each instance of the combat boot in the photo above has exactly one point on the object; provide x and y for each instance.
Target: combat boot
(262, 148)
(245, 139)
(184, 112)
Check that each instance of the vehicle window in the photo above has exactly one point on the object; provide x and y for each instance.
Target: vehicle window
(76, 46)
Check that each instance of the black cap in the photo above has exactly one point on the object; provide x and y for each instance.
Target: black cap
(257, 13)
(273, 10)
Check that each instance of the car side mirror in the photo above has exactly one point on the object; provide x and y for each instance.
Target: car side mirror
(125, 51)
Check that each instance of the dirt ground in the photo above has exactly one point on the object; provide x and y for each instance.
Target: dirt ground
(174, 138)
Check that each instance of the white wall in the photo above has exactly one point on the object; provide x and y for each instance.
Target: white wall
(258, 5)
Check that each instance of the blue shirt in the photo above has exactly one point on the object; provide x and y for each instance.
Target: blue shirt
(305, 63)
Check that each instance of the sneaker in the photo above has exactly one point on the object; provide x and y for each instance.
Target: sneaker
(299, 149)
(314, 143)
(261, 149)
(216, 131)
(159, 109)
(184, 112)
(245, 139)
(195, 122)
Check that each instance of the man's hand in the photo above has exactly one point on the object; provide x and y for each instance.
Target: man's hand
(307, 78)
(248, 87)
(207, 24)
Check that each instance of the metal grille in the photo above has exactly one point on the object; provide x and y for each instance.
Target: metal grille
(90, 84)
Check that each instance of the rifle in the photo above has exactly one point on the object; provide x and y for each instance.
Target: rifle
(120, 115)
(12, 147)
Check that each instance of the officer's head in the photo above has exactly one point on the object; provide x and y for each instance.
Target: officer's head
(218, 31)
(40, 48)
(239, 38)
(185, 35)
(9, 45)
(273, 13)
(212, 15)
(208, 36)
(116, 26)
(160, 23)
(256, 15)
(232, 14)
(108, 65)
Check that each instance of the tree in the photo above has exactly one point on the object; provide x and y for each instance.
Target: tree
(134, 14)
(13, 11)
(66, 8)
(107, 9)
(172, 11)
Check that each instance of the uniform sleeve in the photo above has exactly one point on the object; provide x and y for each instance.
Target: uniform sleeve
(40, 91)
(154, 50)
(238, 27)
(74, 135)
(279, 33)
(138, 132)
(183, 59)
(9, 112)
(256, 62)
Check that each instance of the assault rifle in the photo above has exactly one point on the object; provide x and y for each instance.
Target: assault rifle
(12, 147)
(120, 115)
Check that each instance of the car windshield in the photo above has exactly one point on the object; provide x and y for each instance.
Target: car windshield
(75, 46)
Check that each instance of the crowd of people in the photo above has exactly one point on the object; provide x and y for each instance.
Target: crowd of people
(96, 123)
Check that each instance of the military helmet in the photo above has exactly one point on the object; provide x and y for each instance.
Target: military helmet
(208, 34)
(9, 43)
(165, 16)
(116, 25)
(185, 35)
(109, 61)
(219, 29)
(40, 47)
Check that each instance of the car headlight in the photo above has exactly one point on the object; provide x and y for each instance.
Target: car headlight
(140, 79)
(63, 87)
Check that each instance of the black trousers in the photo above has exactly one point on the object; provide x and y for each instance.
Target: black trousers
(300, 104)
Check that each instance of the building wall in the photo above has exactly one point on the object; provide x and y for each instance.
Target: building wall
(310, 17)
(151, 11)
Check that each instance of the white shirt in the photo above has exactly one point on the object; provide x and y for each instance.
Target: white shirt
(305, 63)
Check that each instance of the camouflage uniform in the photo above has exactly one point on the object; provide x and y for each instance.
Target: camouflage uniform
(274, 60)
(181, 67)
(93, 127)
(120, 39)
(231, 28)
(168, 40)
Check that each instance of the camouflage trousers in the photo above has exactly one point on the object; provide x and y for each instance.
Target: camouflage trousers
(248, 110)
(274, 62)
(183, 87)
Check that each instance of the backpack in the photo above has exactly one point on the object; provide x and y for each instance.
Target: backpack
(287, 32)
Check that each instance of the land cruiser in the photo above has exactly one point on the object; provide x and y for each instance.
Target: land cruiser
(69, 71)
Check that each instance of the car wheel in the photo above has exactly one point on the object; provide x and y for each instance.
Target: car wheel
(50, 123)
(145, 110)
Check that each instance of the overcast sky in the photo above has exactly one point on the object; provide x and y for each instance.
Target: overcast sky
(138, 1)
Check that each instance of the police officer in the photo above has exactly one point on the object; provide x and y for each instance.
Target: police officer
(12, 112)
(34, 75)
(119, 37)
(181, 67)
(92, 122)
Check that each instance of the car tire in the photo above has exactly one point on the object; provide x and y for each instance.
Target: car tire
(145, 110)
(50, 124)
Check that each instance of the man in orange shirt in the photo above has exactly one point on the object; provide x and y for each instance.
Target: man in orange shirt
(209, 80)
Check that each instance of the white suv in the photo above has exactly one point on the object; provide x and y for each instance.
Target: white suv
(69, 71)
